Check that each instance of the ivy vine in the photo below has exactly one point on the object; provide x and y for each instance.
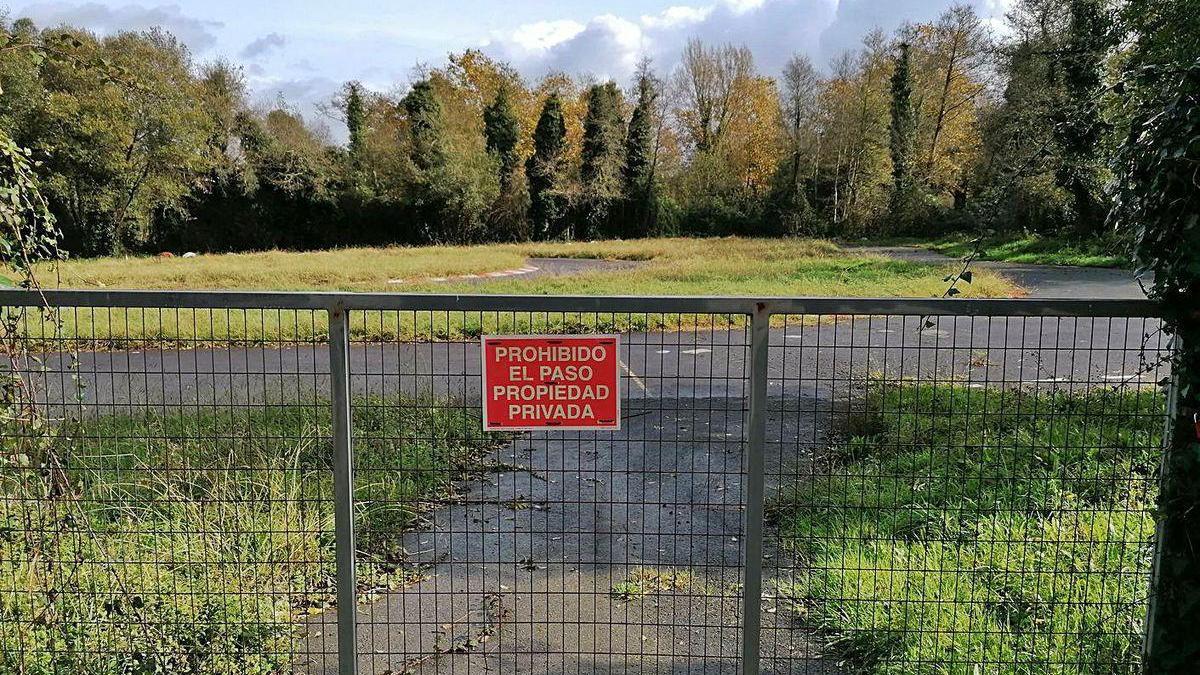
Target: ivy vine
(1157, 197)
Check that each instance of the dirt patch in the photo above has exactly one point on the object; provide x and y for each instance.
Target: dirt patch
(567, 266)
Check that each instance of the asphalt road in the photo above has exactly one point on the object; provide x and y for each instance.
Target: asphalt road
(522, 566)
(1042, 281)
(690, 364)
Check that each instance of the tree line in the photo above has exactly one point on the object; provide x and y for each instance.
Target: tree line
(938, 126)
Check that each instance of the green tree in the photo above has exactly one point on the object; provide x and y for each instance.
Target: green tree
(116, 152)
(424, 114)
(1079, 127)
(221, 213)
(356, 120)
(442, 194)
(1021, 154)
(545, 171)
(29, 234)
(639, 183)
(294, 196)
(903, 139)
(427, 154)
(602, 157)
(502, 131)
(22, 52)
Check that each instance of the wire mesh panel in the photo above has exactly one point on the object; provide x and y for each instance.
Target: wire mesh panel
(548, 551)
(964, 491)
(960, 494)
(164, 490)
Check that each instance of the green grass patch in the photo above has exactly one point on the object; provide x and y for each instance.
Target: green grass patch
(683, 266)
(1037, 250)
(196, 544)
(729, 266)
(967, 531)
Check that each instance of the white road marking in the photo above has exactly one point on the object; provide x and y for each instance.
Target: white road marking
(486, 275)
(663, 351)
(695, 351)
(633, 376)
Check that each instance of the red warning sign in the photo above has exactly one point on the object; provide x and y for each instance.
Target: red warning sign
(539, 382)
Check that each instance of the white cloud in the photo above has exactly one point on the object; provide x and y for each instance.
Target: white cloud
(855, 18)
(678, 15)
(195, 33)
(741, 6)
(262, 45)
(542, 35)
(610, 46)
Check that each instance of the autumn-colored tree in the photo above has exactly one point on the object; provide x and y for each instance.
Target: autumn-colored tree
(856, 163)
(753, 142)
(708, 86)
(951, 67)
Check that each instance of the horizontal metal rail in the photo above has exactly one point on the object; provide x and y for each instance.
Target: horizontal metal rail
(581, 303)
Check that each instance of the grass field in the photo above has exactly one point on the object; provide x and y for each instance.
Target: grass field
(729, 266)
(195, 544)
(672, 267)
(965, 531)
(1035, 250)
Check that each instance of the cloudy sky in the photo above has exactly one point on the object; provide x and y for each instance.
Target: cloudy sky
(304, 49)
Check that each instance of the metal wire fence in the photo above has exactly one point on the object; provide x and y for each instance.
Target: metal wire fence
(301, 483)
(962, 494)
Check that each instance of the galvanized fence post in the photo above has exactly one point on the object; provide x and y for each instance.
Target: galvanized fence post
(343, 489)
(1171, 644)
(760, 324)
